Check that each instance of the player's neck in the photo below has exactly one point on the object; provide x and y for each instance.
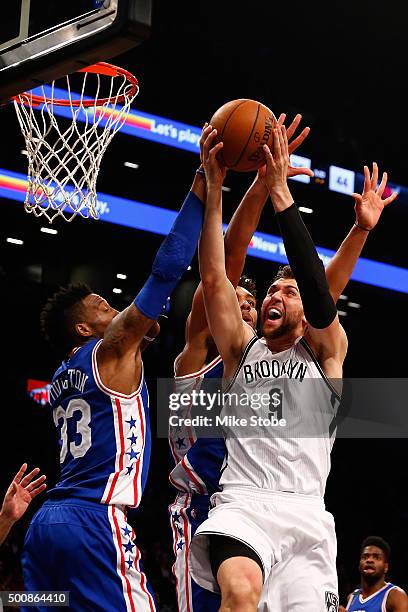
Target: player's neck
(369, 589)
(277, 345)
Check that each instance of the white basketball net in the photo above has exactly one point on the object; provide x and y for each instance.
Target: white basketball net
(64, 160)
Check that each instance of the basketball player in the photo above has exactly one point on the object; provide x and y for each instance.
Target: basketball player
(80, 540)
(375, 594)
(18, 497)
(198, 472)
(200, 360)
(268, 528)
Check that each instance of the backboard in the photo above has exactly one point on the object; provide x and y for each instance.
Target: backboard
(42, 40)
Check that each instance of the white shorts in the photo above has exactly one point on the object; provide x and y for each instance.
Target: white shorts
(292, 534)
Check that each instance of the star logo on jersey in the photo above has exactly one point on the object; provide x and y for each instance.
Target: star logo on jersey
(132, 439)
(332, 601)
(180, 443)
(176, 516)
(129, 469)
(180, 545)
(133, 454)
(180, 531)
(128, 547)
(132, 422)
(126, 531)
(129, 562)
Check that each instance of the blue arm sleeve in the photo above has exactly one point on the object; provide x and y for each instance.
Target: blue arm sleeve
(173, 258)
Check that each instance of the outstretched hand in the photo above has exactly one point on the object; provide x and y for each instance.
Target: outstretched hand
(293, 144)
(215, 172)
(21, 492)
(277, 164)
(369, 205)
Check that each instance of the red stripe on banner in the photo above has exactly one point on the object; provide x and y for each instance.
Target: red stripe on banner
(192, 476)
(138, 461)
(143, 578)
(122, 560)
(122, 450)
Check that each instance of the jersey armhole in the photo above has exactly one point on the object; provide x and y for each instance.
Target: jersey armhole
(241, 362)
(107, 390)
(309, 349)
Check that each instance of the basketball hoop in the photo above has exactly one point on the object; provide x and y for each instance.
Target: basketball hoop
(64, 160)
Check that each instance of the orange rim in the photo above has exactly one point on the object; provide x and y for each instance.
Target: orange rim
(99, 68)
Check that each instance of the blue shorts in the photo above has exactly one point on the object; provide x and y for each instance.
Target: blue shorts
(186, 515)
(87, 549)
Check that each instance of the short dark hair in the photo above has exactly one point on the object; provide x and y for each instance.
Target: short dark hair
(247, 283)
(60, 314)
(379, 543)
(284, 272)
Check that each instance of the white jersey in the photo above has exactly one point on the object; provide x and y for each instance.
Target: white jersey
(290, 407)
(181, 439)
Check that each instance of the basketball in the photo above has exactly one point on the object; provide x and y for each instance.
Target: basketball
(244, 126)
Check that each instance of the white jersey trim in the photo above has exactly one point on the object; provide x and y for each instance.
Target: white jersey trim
(106, 389)
(198, 374)
(243, 357)
(309, 349)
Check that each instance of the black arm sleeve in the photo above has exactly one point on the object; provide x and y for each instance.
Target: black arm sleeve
(318, 304)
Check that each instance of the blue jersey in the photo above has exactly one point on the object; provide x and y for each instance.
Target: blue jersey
(374, 603)
(104, 436)
(198, 460)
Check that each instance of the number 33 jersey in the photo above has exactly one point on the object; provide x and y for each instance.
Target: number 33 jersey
(278, 418)
(104, 436)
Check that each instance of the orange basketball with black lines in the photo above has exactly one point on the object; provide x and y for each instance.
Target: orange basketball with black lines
(244, 126)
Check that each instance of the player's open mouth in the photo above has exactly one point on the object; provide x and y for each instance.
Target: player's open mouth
(274, 314)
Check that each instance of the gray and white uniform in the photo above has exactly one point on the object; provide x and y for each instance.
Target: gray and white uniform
(274, 477)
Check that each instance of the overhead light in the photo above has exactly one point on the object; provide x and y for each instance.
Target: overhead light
(224, 188)
(353, 305)
(116, 290)
(121, 276)
(305, 209)
(15, 241)
(189, 268)
(48, 230)
(343, 297)
(342, 313)
(131, 165)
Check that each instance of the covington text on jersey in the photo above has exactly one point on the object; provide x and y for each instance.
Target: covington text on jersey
(71, 379)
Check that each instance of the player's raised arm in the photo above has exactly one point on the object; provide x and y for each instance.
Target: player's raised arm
(246, 217)
(128, 328)
(223, 312)
(324, 330)
(237, 237)
(368, 207)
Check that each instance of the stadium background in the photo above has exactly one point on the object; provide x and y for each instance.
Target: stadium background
(343, 69)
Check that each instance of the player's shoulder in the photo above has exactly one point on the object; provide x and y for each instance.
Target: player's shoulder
(396, 595)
